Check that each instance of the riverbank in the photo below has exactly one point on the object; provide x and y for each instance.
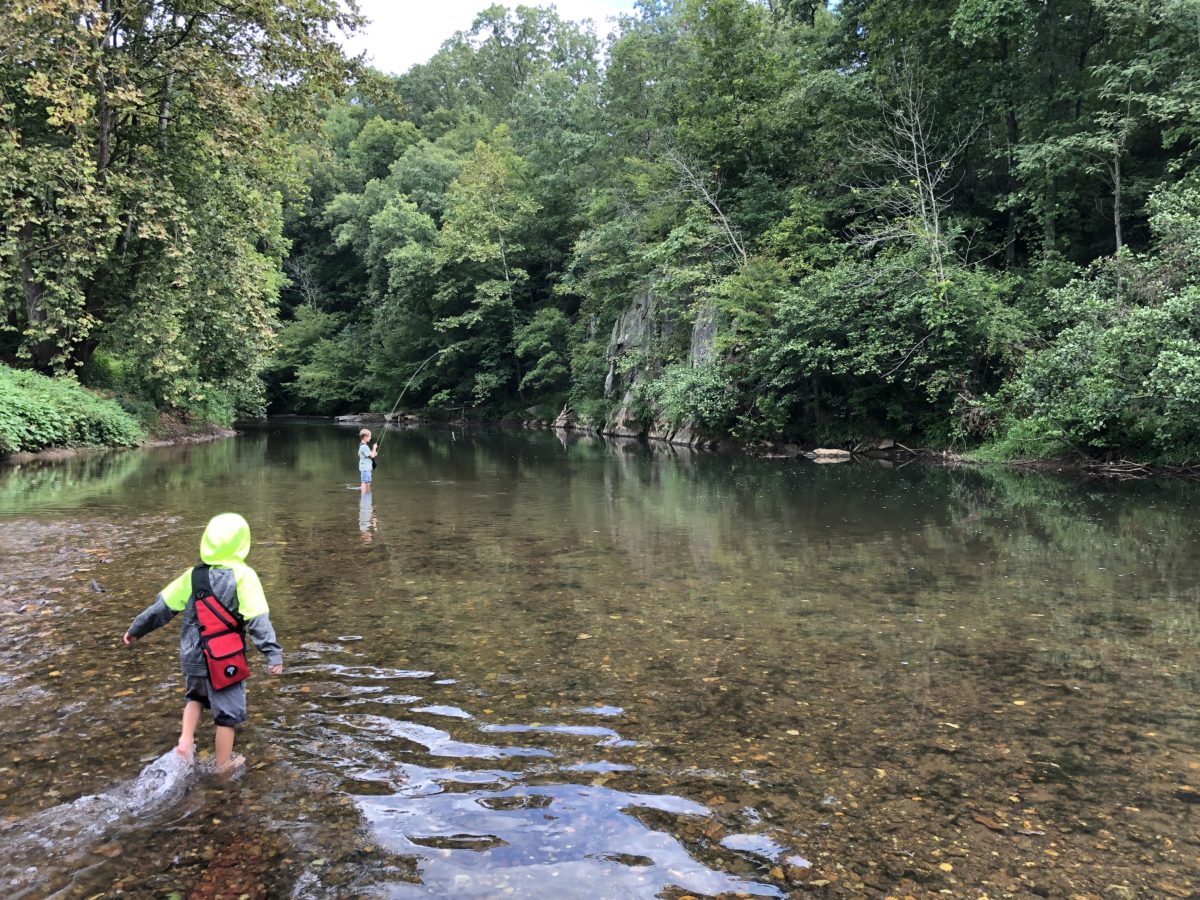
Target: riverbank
(879, 450)
(201, 435)
(57, 418)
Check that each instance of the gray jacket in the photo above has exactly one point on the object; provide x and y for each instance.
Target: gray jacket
(191, 658)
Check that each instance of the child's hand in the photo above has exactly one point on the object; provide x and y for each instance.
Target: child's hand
(128, 640)
(375, 446)
(276, 670)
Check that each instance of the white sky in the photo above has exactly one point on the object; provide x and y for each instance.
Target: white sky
(401, 33)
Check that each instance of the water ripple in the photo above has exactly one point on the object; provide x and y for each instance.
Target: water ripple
(435, 741)
(548, 840)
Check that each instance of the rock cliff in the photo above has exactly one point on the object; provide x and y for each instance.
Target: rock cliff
(635, 356)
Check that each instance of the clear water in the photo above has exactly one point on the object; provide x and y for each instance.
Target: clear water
(533, 667)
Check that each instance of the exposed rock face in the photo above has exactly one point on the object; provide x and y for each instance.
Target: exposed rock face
(704, 335)
(632, 334)
(635, 334)
(566, 420)
(701, 352)
(685, 435)
(625, 425)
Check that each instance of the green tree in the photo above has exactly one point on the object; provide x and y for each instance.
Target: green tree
(541, 343)
(479, 251)
(1122, 371)
(822, 220)
(142, 156)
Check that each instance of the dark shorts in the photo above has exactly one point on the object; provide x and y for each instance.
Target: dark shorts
(228, 706)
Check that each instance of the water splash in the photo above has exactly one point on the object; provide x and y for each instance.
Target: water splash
(372, 672)
(601, 710)
(69, 832)
(450, 712)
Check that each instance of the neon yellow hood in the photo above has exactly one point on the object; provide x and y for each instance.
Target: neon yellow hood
(226, 540)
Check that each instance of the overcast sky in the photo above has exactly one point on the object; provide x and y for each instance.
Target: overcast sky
(401, 33)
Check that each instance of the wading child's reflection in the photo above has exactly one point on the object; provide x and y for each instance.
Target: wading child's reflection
(367, 522)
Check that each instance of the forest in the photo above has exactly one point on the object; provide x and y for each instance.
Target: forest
(967, 224)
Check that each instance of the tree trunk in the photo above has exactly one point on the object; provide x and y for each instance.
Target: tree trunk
(164, 114)
(1050, 217)
(1116, 179)
(1013, 136)
(104, 116)
(104, 113)
(33, 289)
(1010, 238)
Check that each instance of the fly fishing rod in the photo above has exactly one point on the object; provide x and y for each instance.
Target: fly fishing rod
(389, 416)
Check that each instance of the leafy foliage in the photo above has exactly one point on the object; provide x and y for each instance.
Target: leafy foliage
(1123, 371)
(38, 412)
(968, 223)
(142, 164)
(700, 395)
(542, 344)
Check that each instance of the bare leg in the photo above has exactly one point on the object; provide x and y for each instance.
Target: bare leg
(187, 732)
(226, 761)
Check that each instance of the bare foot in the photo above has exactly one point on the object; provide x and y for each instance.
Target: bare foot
(185, 748)
(231, 765)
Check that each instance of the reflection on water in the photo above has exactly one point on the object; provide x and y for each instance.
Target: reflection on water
(560, 840)
(367, 520)
(568, 668)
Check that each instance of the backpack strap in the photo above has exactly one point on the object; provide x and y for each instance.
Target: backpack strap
(202, 588)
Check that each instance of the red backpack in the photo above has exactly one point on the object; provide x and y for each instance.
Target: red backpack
(221, 637)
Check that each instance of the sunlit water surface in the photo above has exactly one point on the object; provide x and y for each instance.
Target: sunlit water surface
(533, 667)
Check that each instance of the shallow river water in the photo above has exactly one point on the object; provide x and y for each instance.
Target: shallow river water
(533, 667)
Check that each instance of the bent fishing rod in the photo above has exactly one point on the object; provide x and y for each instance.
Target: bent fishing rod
(404, 391)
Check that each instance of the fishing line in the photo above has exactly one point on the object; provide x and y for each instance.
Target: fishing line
(389, 416)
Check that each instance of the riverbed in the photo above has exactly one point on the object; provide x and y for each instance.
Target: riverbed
(529, 665)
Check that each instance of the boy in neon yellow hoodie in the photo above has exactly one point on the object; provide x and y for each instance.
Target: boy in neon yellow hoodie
(223, 550)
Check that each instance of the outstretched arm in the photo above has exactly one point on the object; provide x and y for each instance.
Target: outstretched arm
(252, 605)
(170, 601)
(156, 615)
(263, 634)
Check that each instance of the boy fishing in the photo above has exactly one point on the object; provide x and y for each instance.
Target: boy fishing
(366, 459)
(221, 599)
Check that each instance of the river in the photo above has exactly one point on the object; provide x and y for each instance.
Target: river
(534, 666)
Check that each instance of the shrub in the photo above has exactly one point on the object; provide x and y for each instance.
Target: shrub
(594, 412)
(37, 412)
(107, 371)
(542, 344)
(684, 393)
(213, 405)
(1122, 373)
(145, 412)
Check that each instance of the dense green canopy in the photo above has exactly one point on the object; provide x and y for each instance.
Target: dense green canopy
(143, 158)
(961, 222)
